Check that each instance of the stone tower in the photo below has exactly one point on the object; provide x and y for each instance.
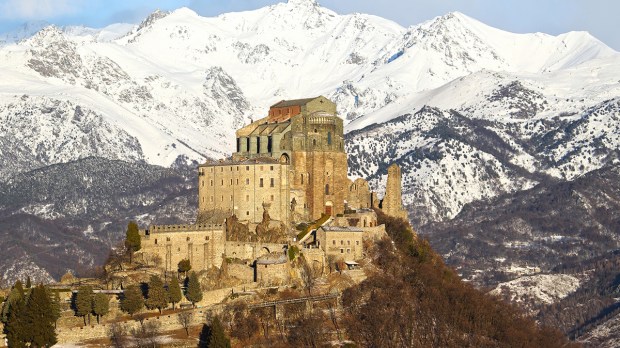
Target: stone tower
(392, 203)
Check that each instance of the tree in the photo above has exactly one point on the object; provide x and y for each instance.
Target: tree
(185, 319)
(15, 328)
(132, 300)
(28, 283)
(84, 302)
(156, 296)
(14, 296)
(217, 337)
(184, 266)
(39, 319)
(194, 292)
(174, 292)
(101, 305)
(117, 335)
(146, 334)
(308, 275)
(132, 239)
(55, 306)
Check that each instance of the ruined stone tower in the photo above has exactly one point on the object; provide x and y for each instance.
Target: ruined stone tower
(392, 203)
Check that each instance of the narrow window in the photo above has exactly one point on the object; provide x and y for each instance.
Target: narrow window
(247, 198)
(271, 168)
(342, 251)
(272, 182)
(261, 182)
(329, 138)
(272, 198)
(327, 189)
(314, 142)
(222, 182)
(231, 182)
(334, 242)
(302, 179)
(247, 168)
(357, 242)
(211, 182)
(247, 181)
(155, 240)
(247, 213)
(202, 183)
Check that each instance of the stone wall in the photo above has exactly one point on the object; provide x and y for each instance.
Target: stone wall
(359, 194)
(241, 188)
(342, 243)
(202, 245)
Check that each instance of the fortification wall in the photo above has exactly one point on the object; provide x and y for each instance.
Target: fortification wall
(166, 245)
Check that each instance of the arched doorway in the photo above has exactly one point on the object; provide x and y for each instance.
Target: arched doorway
(329, 208)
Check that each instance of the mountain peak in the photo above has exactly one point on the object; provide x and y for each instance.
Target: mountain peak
(303, 2)
(152, 18)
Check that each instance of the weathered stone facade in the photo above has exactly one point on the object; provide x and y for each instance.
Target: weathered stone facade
(359, 196)
(342, 242)
(302, 143)
(202, 245)
(392, 203)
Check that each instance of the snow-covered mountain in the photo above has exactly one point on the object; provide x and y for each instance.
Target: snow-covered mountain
(179, 84)
(473, 111)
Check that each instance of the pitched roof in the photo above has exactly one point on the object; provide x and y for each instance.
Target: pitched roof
(293, 102)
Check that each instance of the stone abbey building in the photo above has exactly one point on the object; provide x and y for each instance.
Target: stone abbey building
(293, 159)
(289, 167)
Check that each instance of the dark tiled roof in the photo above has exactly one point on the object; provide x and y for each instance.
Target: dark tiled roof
(293, 102)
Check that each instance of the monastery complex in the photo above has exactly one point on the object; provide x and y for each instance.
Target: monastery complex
(284, 187)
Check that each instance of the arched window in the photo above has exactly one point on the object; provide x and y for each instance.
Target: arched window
(327, 189)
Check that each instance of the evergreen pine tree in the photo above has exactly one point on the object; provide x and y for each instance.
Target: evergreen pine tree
(101, 305)
(156, 296)
(174, 292)
(15, 328)
(39, 319)
(194, 292)
(20, 288)
(132, 301)
(184, 266)
(218, 338)
(132, 239)
(28, 283)
(14, 296)
(55, 306)
(84, 302)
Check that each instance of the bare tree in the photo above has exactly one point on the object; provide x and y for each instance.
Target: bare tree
(185, 319)
(146, 334)
(117, 335)
(308, 275)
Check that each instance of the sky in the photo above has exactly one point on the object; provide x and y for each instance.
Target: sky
(599, 17)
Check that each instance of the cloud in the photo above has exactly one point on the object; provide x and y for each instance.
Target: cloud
(38, 9)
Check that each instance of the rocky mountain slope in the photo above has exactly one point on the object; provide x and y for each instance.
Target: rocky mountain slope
(66, 217)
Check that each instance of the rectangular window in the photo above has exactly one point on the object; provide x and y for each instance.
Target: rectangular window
(272, 198)
(247, 168)
(342, 251)
(272, 182)
(231, 182)
(247, 181)
(348, 251)
(271, 168)
(261, 182)
(211, 182)
(247, 198)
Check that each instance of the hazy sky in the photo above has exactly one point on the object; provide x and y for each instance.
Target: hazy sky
(599, 17)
